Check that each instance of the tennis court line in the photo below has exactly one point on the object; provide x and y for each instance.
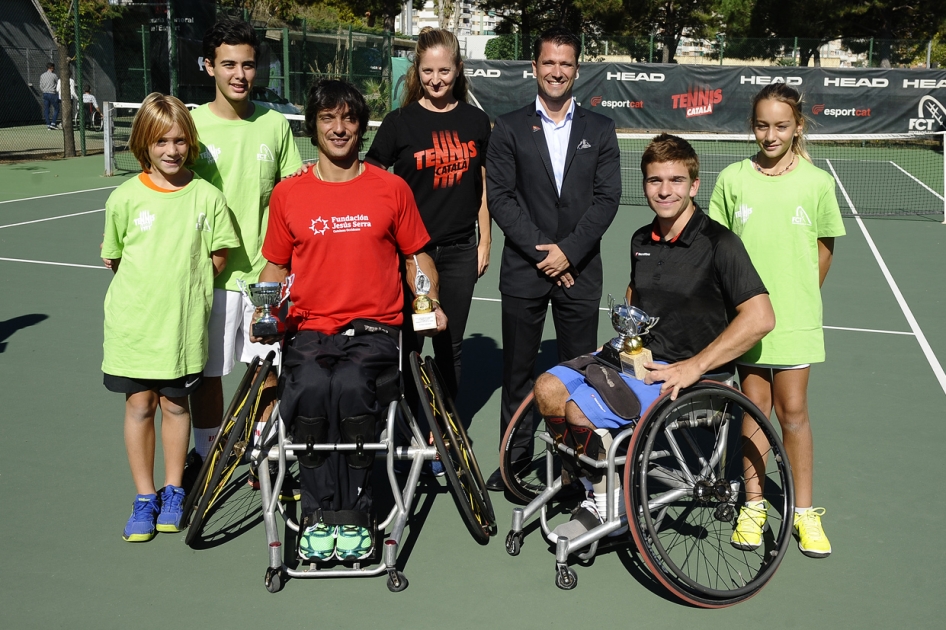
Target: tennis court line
(58, 264)
(914, 325)
(64, 216)
(74, 192)
(908, 174)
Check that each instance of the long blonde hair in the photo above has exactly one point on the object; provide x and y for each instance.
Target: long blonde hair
(790, 96)
(431, 38)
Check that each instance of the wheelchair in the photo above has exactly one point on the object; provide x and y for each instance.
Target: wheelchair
(685, 466)
(234, 446)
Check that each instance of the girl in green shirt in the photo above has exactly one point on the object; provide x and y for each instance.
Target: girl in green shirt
(785, 211)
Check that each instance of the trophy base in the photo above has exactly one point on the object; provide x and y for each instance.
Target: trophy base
(610, 356)
(633, 364)
(424, 321)
(267, 328)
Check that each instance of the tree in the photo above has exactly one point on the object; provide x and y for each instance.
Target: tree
(888, 20)
(501, 47)
(669, 20)
(531, 17)
(59, 17)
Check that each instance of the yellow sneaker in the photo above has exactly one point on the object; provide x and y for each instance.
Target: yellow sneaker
(749, 527)
(811, 539)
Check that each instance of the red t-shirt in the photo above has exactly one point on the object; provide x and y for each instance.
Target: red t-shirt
(342, 241)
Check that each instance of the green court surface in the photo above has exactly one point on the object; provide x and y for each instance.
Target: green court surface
(877, 409)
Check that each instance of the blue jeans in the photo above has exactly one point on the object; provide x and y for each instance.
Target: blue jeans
(50, 100)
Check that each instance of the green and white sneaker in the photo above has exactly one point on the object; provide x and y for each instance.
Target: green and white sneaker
(354, 542)
(317, 542)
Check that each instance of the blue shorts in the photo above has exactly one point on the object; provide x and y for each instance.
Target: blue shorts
(591, 403)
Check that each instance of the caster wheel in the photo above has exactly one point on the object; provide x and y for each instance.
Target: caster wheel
(513, 543)
(566, 578)
(273, 580)
(396, 582)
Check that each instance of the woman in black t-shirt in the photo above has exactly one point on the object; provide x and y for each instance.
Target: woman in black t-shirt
(437, 143)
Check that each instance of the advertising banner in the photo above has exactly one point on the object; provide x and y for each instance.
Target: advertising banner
(686, 98)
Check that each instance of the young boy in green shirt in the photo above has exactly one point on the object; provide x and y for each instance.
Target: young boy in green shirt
(244, 151)
(166, 237)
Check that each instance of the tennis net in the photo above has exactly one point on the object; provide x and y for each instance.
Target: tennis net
(876, 175)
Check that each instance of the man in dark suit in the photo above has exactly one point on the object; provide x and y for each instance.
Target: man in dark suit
(553, 185)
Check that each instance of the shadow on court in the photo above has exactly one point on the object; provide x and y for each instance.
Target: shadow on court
(10, 326)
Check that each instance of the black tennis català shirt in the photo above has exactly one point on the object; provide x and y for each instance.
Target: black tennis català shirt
(692, 283)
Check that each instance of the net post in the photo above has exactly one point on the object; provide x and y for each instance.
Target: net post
(107, 139)
(942, 145)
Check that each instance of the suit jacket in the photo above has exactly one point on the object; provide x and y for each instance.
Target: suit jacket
(523, 200)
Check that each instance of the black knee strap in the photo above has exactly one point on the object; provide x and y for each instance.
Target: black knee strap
(358, 430)
(311, 431)
(388, 386)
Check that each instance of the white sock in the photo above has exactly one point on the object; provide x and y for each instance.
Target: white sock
(755, 505)
(203, 440)
(799, 510)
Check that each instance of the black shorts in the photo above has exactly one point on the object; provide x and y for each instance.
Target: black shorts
(171, 388)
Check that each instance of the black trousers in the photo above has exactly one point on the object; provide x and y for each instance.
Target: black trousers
(576, 332)
(456, 266)
(333, 377)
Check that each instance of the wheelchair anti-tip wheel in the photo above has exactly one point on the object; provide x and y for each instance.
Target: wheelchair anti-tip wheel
(456, 453)
(691, 460)
(228, 450)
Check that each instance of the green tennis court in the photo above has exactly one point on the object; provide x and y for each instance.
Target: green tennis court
(877, 413)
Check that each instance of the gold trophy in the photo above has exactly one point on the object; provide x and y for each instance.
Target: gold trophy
(424, 317)
(626, 351)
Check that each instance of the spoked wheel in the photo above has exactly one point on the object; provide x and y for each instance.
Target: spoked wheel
(522, 458)
(692, 459)
(229, 448)
(456, 453)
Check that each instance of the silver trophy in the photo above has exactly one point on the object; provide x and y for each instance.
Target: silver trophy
(269, 296)
(630, 323)
(424, 317)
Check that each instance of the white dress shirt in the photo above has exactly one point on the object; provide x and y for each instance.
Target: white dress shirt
(556, 137)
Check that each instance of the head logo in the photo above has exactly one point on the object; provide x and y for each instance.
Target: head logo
(595, 101)
(480, 72)
(931, 115)
(817, 109)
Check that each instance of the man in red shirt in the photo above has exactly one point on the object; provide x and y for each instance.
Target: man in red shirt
(343, 229)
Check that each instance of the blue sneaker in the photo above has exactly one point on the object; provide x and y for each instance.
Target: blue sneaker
(436, 468)
(172, 509)
(140, 526)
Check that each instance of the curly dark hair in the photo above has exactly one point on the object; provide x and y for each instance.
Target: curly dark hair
(231, 32)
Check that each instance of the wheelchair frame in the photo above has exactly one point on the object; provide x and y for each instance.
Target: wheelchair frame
(450, 444)
(673, 476)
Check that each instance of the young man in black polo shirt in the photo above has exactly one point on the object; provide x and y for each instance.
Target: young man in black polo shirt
(692, 273)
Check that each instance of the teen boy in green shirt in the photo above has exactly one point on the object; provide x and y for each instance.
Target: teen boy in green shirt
(244, 151)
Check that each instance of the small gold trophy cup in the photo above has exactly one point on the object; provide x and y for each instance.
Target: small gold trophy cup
(424, 317)
(627, 351)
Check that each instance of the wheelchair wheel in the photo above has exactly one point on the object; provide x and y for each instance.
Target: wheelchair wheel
(524, 475)
(686, 486)
(228, 449)
(456, 453)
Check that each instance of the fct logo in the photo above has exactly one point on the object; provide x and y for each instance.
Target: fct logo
(698, 101)
(931, 115)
